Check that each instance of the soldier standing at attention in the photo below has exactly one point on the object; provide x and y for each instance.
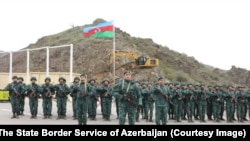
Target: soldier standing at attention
(241, 100)
(33, 92)
(184, 103)
(218, 97)
(83, 91)
(106, 99)
(161, 93)
(196, 102)
(203, 97)
(209, 102)
(177, 99)
(171, 111)
(147, 97)
(62, 91)
(73, 94)
(47, 91)
(190, 101)
(128, 96)
(92, 100)
(139, 109)
(22, 95)
(151, 102)
(230, 103)
(14, 91)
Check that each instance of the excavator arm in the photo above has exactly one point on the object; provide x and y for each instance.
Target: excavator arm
(122, 54)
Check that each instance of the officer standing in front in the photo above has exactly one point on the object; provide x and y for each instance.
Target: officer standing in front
(128, 96)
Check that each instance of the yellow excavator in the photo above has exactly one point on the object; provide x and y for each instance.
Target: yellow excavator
(141, 61)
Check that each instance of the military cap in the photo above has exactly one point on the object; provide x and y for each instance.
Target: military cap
(137, 81)
(92, 79)
(176, 83)
(183, 84)
(14, 77)
(189, 84)
(64, 80)
(210, 85)
(240, 86)
(61, 78)
(20, 78)
(216, 85)
(202, 84)
(33, 78)
(47, 78)
(76, 78)
(85, 75)
(230, 85)
(160, 78)
(103, 81)
(127, 72)
(197, 84)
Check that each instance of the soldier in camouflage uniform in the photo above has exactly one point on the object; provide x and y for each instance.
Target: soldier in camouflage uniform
(209, 103)
(177, 99)
(230, 98)
(217, 101)
(248, 103)
(196, 102)
(223, 91)
(22, 95)
(33, 92)
(147, 98)
(184, 103)
(190, 101)
(106, 99)
(171, 112)
(202, 98)
(162, 94)
(139, 109)
(14, 91)
(241, 100)
(92, 102)
(47, 91)
(84, 90)
(151, 102)
(62, 91)
(73, 94)
(128, 96)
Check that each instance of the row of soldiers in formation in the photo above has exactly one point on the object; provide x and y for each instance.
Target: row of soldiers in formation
(133, 99)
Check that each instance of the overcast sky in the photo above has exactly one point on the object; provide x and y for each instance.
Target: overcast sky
(215, 32)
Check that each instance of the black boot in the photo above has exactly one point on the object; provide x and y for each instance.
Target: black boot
(59, 117)
(14, 116)
(108, 118)
(17, 117)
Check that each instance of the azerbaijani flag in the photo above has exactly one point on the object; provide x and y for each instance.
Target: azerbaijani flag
(102, 30)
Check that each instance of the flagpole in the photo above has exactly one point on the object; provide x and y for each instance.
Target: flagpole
(114, 52)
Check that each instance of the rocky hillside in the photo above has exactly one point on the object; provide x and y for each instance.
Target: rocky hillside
(92, 55)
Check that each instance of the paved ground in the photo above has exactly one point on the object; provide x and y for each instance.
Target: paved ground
(5, 110)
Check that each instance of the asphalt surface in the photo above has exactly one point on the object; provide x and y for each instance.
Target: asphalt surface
(6, 113)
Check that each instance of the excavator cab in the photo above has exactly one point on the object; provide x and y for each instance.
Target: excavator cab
(143, 61)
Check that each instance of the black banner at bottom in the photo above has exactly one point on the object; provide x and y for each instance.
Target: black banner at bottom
(149, 131)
